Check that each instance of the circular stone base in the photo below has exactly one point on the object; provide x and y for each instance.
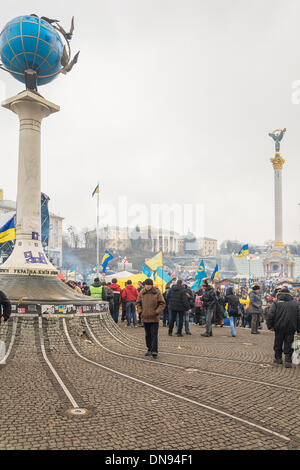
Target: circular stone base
(44, 294)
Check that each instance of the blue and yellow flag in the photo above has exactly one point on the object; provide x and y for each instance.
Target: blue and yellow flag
(8, 231)
(96, 190)
(155, 262)
(162, 278)
(215, 274)
(105, 260)
(200, 275)
(146, 271)
(244, 251)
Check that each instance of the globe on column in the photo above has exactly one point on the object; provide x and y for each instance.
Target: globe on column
(28, 42)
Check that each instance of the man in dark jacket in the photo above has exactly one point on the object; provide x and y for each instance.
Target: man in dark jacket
(255, 309)
(209, 303)
(5, 307)
(179, 304)
(117, 298)
(233, 309)
(166, 309)
(284, 319)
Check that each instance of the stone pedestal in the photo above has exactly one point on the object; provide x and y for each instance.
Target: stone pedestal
(27, 277)
(28, 256)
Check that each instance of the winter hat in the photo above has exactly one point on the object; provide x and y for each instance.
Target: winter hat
(148, 282)
(284, 290)
(255, 288)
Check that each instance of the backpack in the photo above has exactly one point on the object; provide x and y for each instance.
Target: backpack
(198, 301)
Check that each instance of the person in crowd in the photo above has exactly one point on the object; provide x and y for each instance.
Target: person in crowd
(96, 288)
(284, 319)
(199, 310)
(85, 289)
(179, 304)
(108, 296)
(166, 319)
(5, 311)
(130, 295)
(139, 288)
(186, 316)
(123, 318)
(255, 308)
(150, 303)
(117, 292)
(233, 309)
(209, 302)
(220, 307)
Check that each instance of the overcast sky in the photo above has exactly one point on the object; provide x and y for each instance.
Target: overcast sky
(171, 102)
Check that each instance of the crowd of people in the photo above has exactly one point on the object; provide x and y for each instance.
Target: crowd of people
(146, 306)
(208, 306)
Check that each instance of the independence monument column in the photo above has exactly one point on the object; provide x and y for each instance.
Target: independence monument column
(278, 163)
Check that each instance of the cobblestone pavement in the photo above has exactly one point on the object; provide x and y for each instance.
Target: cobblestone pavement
(129, 414)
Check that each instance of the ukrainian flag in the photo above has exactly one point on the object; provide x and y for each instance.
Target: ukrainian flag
(244, 251)
(96, 190)
(162, 278)
(155, 262)
(146, 271)
(8, 231)
(105, 260)
(215, 274)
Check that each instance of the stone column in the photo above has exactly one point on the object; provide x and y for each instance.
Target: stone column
(278, 163)
(28, 253)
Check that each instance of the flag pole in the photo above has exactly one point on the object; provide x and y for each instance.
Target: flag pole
(98, 203)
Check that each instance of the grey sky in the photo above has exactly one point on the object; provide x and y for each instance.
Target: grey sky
(171, 101)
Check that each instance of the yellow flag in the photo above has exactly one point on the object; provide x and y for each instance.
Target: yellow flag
(155, 262)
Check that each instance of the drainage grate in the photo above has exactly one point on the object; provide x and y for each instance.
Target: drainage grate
(78, 412)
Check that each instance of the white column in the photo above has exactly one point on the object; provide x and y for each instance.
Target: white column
(278, 205)
(28, 254)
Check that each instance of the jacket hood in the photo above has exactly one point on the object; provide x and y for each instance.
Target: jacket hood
(285, 297)
(114, 286)
(130, 287)
(176, 287)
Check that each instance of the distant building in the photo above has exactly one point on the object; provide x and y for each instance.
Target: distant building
(149, 238)
(208, 246)
(54, 250)
(110, 238)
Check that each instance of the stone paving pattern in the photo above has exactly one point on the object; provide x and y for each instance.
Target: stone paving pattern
(129, 415)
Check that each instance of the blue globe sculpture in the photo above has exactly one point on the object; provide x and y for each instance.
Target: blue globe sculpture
(28, 42)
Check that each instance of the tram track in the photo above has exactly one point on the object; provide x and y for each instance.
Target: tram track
(11, 343)
(179, 367)
(164, 391)
(111, 323)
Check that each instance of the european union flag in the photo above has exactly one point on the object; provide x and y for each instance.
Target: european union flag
(106, 259)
